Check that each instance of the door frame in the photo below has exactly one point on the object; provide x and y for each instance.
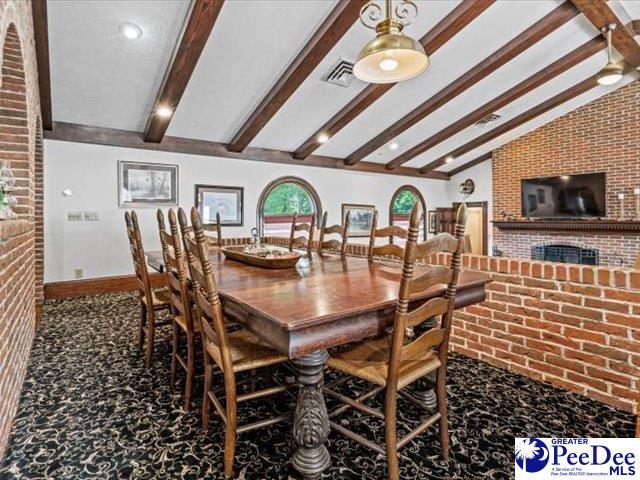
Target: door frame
(485, 222)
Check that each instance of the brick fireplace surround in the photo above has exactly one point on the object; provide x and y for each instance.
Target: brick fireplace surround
(602, 136)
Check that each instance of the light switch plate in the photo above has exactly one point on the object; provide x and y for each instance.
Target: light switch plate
(91, 217)
(74, 216)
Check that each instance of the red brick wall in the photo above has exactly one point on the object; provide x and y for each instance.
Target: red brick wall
(19, 110)
(601, 136)
(576, 327)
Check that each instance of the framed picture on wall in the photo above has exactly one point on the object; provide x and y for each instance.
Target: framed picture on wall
(432, 221)
(360, 218)
(147, 184)
(225, 200)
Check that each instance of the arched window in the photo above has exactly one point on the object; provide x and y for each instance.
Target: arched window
(402, 202)
(281, 199)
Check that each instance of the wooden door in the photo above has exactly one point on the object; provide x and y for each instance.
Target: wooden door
(476, 231)
(445, 220)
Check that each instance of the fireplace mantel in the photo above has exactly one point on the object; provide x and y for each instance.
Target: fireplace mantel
(613, 226)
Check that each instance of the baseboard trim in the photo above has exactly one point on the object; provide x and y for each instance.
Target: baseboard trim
(93, 286)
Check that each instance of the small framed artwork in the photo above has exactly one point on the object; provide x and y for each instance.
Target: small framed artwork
(432, 221)
(361, 217)
(225, 200)
(147, 184)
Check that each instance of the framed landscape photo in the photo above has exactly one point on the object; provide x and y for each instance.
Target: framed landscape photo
(360, 219)
(147, 184)
(225, 200)
(432, 221)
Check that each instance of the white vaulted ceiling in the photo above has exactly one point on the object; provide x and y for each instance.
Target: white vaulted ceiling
(100, 78)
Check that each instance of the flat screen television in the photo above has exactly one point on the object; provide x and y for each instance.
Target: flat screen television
(567, 196)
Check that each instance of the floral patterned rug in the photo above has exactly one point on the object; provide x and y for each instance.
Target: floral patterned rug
(89, 409)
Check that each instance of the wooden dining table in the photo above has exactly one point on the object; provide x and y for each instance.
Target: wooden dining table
(324, 302)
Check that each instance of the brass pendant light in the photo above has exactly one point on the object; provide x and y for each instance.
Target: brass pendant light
(392, 56)
(611, 72)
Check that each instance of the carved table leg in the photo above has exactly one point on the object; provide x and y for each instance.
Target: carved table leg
(311, 422)
(427, 396)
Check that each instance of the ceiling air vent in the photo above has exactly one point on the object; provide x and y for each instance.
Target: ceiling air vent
(483, 122)
(341, 73)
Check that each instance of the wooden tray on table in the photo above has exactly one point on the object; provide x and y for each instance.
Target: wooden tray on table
(265, 257)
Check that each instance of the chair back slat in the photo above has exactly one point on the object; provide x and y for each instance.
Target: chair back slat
(334, 244)
(302, 241)
(437, 274)
(443, 242)
(429, 339)
(217, 228)
(333, 229)
(390, 232)
(432, 308)
(404, 322)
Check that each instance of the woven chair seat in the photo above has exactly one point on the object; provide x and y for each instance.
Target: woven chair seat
(160, 298)
(247, 352)
(369, 361)
(179, 319)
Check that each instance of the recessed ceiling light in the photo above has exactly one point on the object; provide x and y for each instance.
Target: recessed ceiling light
(393, 146)
(164, 112)
(323, 137)
(449, 159)
(130, 30)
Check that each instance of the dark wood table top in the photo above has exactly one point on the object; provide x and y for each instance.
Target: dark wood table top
(325, 301)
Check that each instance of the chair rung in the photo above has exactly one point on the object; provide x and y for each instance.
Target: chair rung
(355, 404)
(181, 361)
(337, 411)
(336, 382)
(358, 438)
(216, 404)
(418, 430)
(261, 393)
(262, 423)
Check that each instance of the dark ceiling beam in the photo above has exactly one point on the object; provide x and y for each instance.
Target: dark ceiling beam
(202, 18)
(600, 15)
(515, 122)
(468, 165)
(444, 31)
(634, 27)
(41, 37)
(71, 132)
(512, 49)
(549, 72)
(339, 21)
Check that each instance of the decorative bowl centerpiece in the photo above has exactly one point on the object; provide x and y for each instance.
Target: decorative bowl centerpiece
(263, 256)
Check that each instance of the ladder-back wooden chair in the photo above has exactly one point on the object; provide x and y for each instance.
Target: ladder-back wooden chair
(181, 303)
(151, 300)
(334, 244)
(232, 352)
(302, 241)
(390, 232)
(395, 361)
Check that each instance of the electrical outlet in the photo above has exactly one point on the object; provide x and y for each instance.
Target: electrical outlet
(74, 216)
(78, 273)
(91, 217)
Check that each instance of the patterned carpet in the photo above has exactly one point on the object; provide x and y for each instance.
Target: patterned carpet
(89, 409)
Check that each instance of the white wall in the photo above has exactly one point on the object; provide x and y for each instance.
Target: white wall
(101, 248)
(482, 176)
